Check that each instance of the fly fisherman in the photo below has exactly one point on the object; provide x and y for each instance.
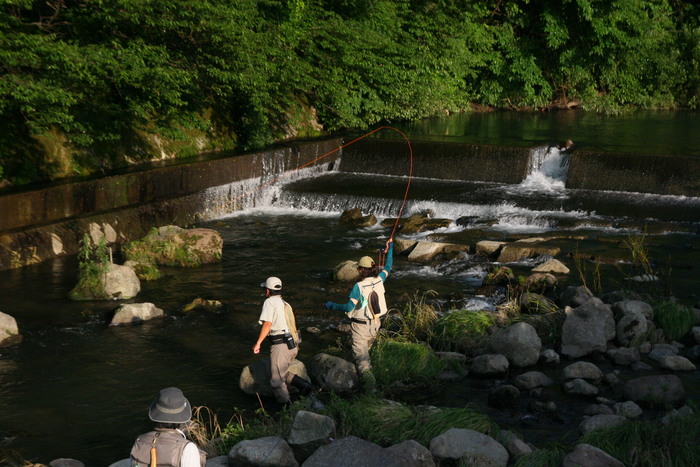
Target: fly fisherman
(167, 446)
(365, 306)
(279, 327)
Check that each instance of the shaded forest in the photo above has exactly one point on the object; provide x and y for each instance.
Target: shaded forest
(88, 86)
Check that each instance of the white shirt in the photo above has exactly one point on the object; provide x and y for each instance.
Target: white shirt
(273, 311)
(190, 456)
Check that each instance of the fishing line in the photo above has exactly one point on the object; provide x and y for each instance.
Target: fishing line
(286, 174)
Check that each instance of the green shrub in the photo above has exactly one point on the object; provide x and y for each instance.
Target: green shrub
(93, 262)
(675, 319)
(462, 329)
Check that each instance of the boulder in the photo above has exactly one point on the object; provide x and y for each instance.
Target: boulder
(356, 452)
(489, 248)
(624, 307)
(255, 378)
(328, 371)
(553, 266)
(121, 282)
(583, 370)
(628, 409)
(630, 326)
(464, 445)
(419, 222)
(587, 329)
(355, 218)
(585, 455)
(270, 451)
(600, 421)
(346, 272)
(575, 296)
(309, 432)
(9, 331)
(135, 313)
(489, 365)
(206, 244)
(624, 356)
(581, 387)
(519, 343)
(676, 363)
(427, 251)
(520, 250)
(66, 462)
(532, 380)
(655, 390)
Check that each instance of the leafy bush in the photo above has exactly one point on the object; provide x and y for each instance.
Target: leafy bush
(93, 262)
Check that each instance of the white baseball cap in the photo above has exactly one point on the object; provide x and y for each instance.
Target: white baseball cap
(272, 283)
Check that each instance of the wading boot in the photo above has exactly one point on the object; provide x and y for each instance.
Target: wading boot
(303, 386)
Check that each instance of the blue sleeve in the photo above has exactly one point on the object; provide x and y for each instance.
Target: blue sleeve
(388, 263)
(350, 305)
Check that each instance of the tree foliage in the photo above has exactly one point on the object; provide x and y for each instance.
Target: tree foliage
(92, 81)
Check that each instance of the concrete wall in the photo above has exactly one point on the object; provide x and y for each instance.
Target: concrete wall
(40, 224)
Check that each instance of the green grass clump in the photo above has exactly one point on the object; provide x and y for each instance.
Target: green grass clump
(394, 360)
(417, 318)
(386, 423)
(462, 329)
(551, 456)
(675, 319)
(649, 444)
(93, 260)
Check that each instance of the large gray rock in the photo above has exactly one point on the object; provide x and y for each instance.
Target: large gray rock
(532, 380)
(580, 387)
(426, 251)
(519, 343)
(489, 365)
(623, 356)
(270, 451)
(255, 378)
(346, 272)
(328, 371)
(356, 452)
(355, 218)
(135, 313)
(587, 329)
(66, 462)
(585, 370)
(9, 331)
(585, 455)
(575, 296)
(121, 282)
(655, 390)
(309, 432)
(630, 326)
(624, 307)
(676, 363)
(460, 444)
(520, 250)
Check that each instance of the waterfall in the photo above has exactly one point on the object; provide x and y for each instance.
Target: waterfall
(547, 170)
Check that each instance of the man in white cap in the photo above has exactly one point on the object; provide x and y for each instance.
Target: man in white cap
(167, 444)
(365, 307)
(279, 327)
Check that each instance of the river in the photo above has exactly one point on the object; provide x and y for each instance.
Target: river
(77, 387)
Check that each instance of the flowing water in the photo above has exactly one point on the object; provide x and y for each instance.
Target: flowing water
(77, 387)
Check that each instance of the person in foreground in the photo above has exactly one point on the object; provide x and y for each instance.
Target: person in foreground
(166, 445)
(365, 307)
(279, 327)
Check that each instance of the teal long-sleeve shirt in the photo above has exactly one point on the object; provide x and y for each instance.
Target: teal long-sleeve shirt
(355, 294)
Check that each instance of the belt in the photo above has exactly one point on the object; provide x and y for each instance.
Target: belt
(359, 321)
(276, 339)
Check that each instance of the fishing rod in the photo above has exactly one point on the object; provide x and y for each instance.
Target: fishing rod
(405, 196)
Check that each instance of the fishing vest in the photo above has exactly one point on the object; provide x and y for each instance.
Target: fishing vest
(369, 308)
(169, 447)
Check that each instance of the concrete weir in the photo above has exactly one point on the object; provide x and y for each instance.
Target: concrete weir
(36, 225)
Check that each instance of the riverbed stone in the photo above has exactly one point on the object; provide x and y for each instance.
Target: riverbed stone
(630, 326)
(335, 373)
(489, 247)
(489, 365)
(218, 461)
(584, 370)
(136, 313)
(271, 451)
(662, 350)
(655, 390)
(521, 249)
(127, 463)
(519, 343)
(624, 307)
(600, 421)
(550, 357)
(676, 363)
(628, 409)
(9, 331)
(585, 455)
(66, 462)
(553, 266)
(624, 356)
(575, 296)
(355, 452)
(581, 387)
(355, 218)
(346, 272)
(587, 329)
(309, 432)
(532, 380)
(461, 444)
(427, 251)
(255, 378)
(121, 282)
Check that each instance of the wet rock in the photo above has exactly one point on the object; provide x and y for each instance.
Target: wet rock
(628, 409)
(355, 218)
(267, 451)
(136, 313)
(532, 380)
(121, 282)
(580, 387)
(489, 365)
(575, 296)
(676, 363)
(662, 350)
(600, 421)
(9, 331)
(201, 304)
(624, 307)
(519, 343)
(309, 432)
(520, 250)
(684, 411)
(427, 251)
(589, 456)
(631, 326)
(403, 246)
(550, 356)
(598, 409)
(517, 448)
(489, 248)
(655, 390)
(206, 244)
(355, 452)
(553, 266)
(218, 461)
(587, 329)
(255, 378)
(584, 370)
(66, 462)
(346, 272)
(624, 356)
(328, 371)
(417, 223)
(463, 445)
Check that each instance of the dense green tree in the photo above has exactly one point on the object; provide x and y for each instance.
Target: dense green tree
(92, 85)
